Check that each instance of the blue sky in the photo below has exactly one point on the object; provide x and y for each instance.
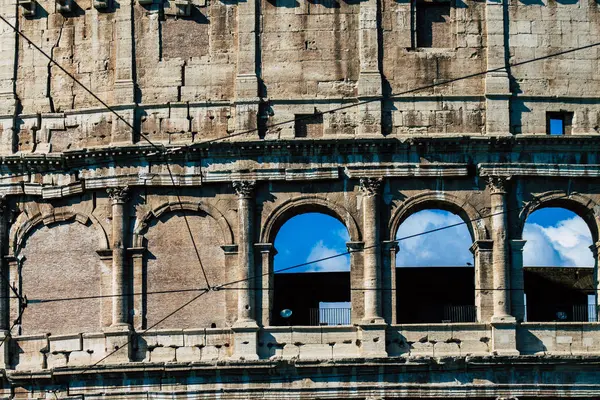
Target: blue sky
(555, 237)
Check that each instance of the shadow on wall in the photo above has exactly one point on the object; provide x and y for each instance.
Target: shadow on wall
(324, 3)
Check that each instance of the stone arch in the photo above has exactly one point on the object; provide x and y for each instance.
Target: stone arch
(57, 250)
(581, 205)
(304, 204)
(442, 201)
(27, 224)
(195, 207)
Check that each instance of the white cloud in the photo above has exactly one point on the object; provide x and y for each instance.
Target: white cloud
(336, 264)
(565, 244)
(448, 247)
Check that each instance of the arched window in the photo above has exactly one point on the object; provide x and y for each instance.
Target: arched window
(558, 267)
(434, 271)
(315, 293)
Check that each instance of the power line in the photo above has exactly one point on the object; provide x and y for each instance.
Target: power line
(104, 104)
(132, 337)
(268, 127)
(225, 286)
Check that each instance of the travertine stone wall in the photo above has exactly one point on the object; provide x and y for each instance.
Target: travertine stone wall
(471, 146)
(229, 67)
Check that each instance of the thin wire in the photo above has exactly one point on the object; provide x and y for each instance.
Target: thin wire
(159, 149)
(390, 96)
(132, 337)
(225, 286)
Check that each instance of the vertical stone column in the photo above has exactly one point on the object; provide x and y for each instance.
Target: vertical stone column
(373, 327)
(595, 248)
(5, 279)
(265, 297)
(497, 187)
(517, 281)
(484, 302)
(8, 61)
(370, 188)
(388, 281)
(369, 80)
(137, 261)
(124, 86)
(245, 328)
(246, 81)
(504, 339)
(497, 88)
(119, 197)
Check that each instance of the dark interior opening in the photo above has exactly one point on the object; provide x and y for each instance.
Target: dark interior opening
(435, 294)
(559, 294)
(302, 292)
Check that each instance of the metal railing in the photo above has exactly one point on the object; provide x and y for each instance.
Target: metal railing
(585, 313)
(460, 313)
(330, 316)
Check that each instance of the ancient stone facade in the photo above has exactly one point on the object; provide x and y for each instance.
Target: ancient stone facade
(230, 117)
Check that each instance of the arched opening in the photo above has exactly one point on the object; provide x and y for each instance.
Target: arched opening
(316, 293)
(558, 271)
(171, 264)
(435, 274)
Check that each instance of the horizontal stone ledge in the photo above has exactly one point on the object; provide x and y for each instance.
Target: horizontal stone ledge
(539, 169)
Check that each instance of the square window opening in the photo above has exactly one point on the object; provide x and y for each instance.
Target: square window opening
(433, 24)
(308, 125)
(558, 123)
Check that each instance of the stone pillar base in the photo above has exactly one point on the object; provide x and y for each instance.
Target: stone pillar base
(504, 336)
(372, 337)
(119, 342)
(245, 340)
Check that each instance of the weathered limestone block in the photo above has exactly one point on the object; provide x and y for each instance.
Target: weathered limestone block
(188, 354)
(30, 352)
(162, 354)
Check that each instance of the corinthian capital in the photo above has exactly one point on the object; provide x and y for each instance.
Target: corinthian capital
(497, 184)
(118, 194)
(244, 188)
(370, 186)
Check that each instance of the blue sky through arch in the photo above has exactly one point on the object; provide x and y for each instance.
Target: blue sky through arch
(312, 236)
(556, 237)
(445, 248)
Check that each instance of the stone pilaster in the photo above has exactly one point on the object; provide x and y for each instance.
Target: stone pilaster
(504, 340)
(265, 297)
(388, 280)
(369, 80)
(138, 301)
(4, 270)
(595, 248)
(370, 188)
(484, 276)
(8, 97)
(246, 81)
(517, 281)
(119, 197)
(124, 85)
(497, 88)
(245, 328)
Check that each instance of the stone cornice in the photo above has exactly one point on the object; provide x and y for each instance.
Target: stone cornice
(551, 170)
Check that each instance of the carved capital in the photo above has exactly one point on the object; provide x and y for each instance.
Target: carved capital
(497, 184)
(244, 189)
(118, 194)
(370, 186)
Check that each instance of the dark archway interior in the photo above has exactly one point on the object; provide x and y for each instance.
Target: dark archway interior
(316, 293)
(301, 293)
(435, 274)
(435, 294)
